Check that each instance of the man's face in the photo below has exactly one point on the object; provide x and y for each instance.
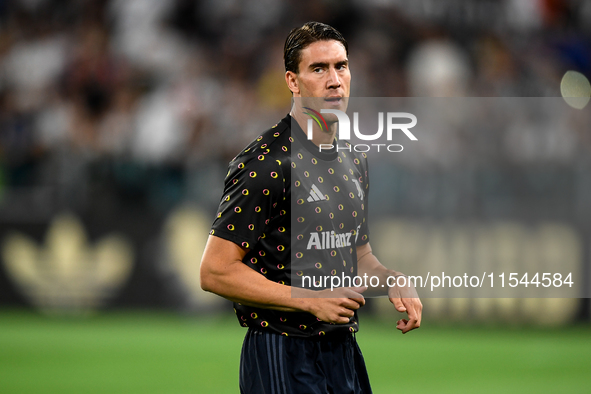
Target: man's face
(323, 74)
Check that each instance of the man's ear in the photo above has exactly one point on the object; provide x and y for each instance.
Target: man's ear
(291, 79)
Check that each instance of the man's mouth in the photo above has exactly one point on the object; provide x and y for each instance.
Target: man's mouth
(333, 100)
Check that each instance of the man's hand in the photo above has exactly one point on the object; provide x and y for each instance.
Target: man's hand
(406, 299)
(337, 306)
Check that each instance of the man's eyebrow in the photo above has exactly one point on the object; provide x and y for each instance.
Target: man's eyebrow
(318, 64)
(325, 64)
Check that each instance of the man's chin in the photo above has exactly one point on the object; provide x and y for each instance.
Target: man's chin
(320, 103)
(330, 119)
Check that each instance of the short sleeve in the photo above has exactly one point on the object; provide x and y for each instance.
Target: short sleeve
(254, 187)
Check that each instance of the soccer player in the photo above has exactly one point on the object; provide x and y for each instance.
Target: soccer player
(300, 340)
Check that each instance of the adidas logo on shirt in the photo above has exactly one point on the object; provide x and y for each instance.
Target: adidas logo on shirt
(315, 194)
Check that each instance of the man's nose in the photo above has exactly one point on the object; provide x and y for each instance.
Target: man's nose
(333, 79)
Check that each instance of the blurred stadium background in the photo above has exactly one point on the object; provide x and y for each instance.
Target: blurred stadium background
(118, 119)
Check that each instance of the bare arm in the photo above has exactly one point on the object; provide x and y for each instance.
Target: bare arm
(405, 299)
(224, 273)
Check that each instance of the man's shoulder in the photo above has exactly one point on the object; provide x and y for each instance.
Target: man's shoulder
(273, 141)
(270, 149)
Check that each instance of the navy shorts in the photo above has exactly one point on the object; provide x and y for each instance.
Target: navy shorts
(275, 364)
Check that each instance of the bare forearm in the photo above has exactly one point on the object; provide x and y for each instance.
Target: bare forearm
(368, 264)
(224, 273)
(241, 284)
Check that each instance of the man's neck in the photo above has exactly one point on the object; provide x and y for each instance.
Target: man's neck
(319, 136)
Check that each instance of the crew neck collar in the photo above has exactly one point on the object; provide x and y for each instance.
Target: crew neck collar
(298, 133)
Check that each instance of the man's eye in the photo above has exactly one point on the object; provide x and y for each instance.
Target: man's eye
(317, 70)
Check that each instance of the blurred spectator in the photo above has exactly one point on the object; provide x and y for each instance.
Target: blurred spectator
(438, 69)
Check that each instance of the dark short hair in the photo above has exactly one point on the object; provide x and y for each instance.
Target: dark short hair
(300, 37)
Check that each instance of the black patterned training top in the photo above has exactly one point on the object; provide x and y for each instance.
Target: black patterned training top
(300, 213)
